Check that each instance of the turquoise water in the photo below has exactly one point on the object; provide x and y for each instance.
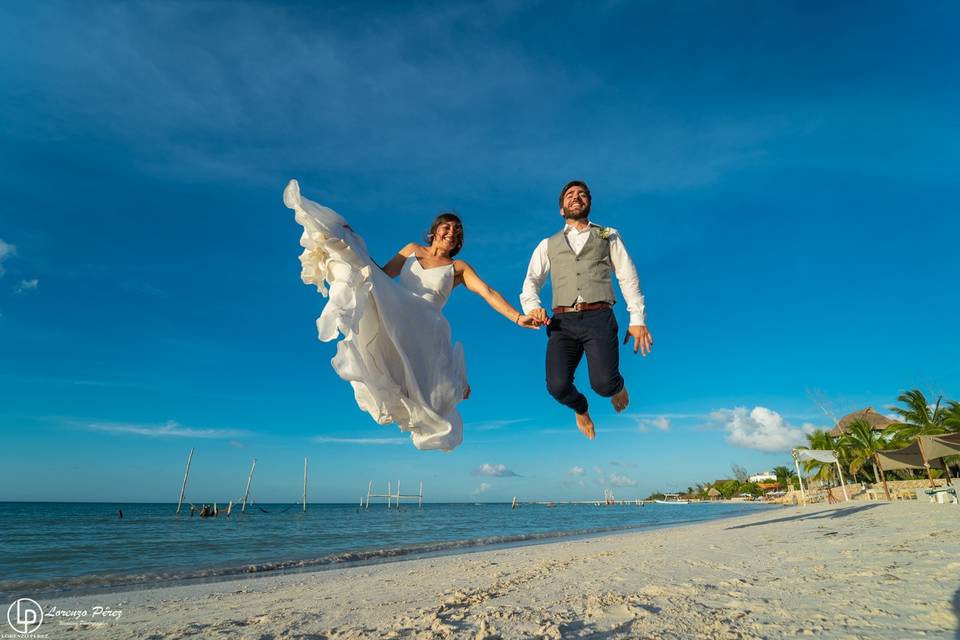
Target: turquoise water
(48, 548)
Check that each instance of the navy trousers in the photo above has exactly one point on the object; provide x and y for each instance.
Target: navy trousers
(570, 336)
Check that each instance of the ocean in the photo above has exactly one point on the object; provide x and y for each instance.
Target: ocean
(49, 549)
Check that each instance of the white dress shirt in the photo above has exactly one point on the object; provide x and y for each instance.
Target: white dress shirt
(620, 261)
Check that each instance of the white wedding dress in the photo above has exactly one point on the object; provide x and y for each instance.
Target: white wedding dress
(396, 350)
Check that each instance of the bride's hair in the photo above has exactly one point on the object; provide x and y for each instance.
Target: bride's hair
(447, 216)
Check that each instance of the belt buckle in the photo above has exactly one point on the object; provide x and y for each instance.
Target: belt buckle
(578, 307)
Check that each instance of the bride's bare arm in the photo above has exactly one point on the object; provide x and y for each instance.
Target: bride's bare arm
(473, 283)
(393, 267)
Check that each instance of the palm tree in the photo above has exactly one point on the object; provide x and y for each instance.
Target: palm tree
(917, 418)
(951, 424)
(951, 417)
(862, 444)
(785, 476)
(821, 440)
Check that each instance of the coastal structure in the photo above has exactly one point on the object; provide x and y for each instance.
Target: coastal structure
(877, 421)
(393, 497)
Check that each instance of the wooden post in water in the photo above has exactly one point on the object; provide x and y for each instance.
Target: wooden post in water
(304, 485)
(183, 487)
(388, 495)
(246, 492)
(369, 488)
(398, 495)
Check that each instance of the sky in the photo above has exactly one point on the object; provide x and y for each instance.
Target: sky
(783, 174)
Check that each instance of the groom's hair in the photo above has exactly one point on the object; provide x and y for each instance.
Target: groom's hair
(446, 216)
(574, 183)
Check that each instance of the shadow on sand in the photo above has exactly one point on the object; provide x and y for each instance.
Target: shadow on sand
(839, 512)
(956, 612)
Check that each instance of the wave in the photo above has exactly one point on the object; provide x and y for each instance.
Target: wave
(114, 581)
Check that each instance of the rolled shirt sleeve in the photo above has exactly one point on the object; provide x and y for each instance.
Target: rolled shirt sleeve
(536, 276)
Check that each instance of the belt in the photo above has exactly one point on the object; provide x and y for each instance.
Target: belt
(582, 306)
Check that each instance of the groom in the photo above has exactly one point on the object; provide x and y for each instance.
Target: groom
(580, 259)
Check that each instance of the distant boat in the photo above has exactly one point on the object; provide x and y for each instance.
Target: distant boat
(672, 498)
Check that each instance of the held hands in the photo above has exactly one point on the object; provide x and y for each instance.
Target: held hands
(540, 316)
(642, 340)
(528, 322)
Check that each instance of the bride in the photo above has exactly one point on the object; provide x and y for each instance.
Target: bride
(396, 351)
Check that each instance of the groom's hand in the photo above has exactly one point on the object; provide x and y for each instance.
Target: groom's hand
(642, 340)
(540, 315)
(528, 322)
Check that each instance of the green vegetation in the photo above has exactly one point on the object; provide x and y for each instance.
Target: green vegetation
(856, 449)
(860, 441)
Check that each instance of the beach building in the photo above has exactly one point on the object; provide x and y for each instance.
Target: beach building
(877, 421)
(763, 476)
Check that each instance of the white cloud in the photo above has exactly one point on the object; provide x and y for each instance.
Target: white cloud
(483, 487)
(621, 480)
(576, 471)
(368, 441)
(761, 429)
(492, 425)
(169, 430)
(646, 423)
(494, 470)
(6, 250)
(26, 285)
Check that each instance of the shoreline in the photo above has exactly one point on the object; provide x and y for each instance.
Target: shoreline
(367, 557)
(870, 570)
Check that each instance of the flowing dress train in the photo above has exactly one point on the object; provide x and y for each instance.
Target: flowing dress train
(396, 350)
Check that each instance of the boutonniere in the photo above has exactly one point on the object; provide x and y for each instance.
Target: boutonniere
(603, 233)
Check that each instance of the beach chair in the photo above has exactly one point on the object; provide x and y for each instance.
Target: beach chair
(941, 495)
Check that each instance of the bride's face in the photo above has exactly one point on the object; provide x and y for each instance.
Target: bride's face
(447, 235)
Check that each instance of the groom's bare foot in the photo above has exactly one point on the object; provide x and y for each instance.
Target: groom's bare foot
(585, 424)
(620, 400)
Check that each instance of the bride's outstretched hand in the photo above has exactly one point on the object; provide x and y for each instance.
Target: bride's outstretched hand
(528, 322)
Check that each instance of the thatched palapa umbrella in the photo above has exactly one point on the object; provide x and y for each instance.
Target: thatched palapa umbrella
(877, 421)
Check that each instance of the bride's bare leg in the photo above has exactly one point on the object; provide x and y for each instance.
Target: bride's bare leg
(585, 424)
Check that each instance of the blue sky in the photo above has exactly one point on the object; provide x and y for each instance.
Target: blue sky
(784, 175)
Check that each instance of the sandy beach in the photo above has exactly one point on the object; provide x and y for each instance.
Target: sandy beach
(868, 570)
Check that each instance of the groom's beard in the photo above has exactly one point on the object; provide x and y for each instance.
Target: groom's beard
(576, 214)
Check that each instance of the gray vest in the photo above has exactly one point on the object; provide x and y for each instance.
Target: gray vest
(586, 275)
